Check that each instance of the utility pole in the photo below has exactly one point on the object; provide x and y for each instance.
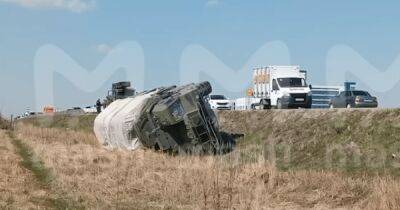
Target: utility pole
(12, 122)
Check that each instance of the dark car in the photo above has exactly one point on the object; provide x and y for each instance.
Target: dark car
(354, 99)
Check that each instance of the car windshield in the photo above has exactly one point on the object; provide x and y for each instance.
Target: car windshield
(292, 82)
(217, 97)
(361, 93)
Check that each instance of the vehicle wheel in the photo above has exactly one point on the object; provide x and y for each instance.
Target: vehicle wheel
(348, 106)
(156, 147)
(265, 107)
(279, 104)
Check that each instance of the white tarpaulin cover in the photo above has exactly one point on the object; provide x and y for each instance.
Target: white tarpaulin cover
(113, 125)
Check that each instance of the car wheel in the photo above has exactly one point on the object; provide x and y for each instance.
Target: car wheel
(348, 106)
(279, 104)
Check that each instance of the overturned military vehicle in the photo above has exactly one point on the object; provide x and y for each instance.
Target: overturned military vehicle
(169, 119)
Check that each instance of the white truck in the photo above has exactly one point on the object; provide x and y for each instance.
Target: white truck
(277, 86)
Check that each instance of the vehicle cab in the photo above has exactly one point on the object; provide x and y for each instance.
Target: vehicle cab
(289, 89)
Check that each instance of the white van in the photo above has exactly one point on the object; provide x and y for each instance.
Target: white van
(280, 87)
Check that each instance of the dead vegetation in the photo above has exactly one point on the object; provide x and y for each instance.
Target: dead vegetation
(63, 122)
(18, 187)
(56, 198)
(243, 179)
(4, 124)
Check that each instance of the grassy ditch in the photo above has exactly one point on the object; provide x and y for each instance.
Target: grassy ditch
(238, 180)
(44, 175)
(33, 163)
(354, 141)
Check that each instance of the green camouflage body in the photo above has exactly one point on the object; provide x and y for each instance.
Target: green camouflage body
(177, 118)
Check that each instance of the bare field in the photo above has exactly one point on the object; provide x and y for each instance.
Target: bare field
(95, 178)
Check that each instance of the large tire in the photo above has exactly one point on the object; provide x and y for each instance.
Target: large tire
(279, 104)
(265, 104)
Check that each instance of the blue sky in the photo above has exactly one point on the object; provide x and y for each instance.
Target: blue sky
(231, 29)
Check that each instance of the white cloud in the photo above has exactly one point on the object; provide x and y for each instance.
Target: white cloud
(213, 3)
(71, 5)
(103, 48)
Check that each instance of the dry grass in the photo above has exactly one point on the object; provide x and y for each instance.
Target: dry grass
(356, 141)
(98, 178)
(18, 187)
(4, 124)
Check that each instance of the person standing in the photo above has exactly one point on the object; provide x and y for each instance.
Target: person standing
(98, 106)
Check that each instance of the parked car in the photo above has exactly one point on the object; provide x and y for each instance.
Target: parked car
(219, 102)
(75, 111)
(354, 99)
(90, 109)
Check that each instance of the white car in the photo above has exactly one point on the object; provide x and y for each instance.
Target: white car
(90, 109)
(219, 102)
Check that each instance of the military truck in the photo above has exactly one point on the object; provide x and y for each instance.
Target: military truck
(176, 119)
(119, 90)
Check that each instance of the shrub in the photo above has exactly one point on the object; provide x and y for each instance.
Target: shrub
(4, 124)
